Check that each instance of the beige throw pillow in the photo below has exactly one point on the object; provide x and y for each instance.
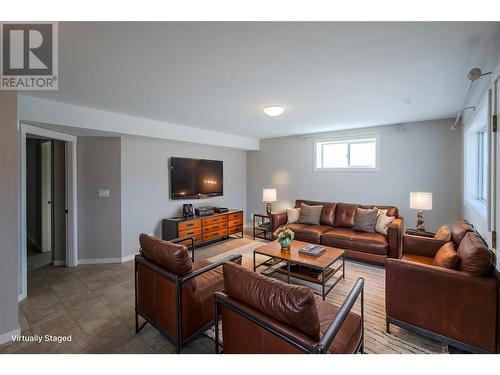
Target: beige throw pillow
(380, 211)
(443, 233)
(383, 222)
(292, 215)
(310, 214)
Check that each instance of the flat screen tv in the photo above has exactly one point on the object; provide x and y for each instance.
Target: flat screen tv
(195, 178)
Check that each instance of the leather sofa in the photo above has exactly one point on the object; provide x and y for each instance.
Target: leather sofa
(457, 307)
(262, 315)
(335, 229)
(173, 293)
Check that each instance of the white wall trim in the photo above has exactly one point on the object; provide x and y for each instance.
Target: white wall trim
(72, 206)
(106, 260)
(62, 114)
(7, 337)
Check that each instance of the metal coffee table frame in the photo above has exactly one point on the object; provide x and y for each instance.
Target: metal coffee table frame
(327, 272)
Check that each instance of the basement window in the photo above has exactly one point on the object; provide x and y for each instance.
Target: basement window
(346, 154)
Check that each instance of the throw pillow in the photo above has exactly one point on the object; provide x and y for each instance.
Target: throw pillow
(447, 257)
(475, 257)
(380, 211)
(309, 214)
(292, 215)
(443, 233)
(383, 222)
(365, 220)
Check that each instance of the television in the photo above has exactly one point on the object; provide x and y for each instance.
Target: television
(195, 178)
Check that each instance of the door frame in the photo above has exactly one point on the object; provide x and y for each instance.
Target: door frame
(71, 199)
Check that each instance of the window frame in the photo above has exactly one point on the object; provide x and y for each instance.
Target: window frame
(352, 139)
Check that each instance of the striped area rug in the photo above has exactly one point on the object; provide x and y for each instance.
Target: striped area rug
(399, 341)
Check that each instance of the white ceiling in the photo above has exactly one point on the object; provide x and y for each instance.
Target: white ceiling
(219, 76)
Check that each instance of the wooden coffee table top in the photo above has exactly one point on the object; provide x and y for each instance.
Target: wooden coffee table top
(273, 249)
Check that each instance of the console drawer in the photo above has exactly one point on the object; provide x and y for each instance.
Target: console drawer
(235, 216)
(191, 224)
(214, 227)
(190, 232)
(233, 230)
(197, 240)
(235, 222)
(213, 235)
(214, 220)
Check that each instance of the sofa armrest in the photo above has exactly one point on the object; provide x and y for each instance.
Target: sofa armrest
(419, 245)
(278, 219)
(341, 316)
(450, 303)
(394, 233)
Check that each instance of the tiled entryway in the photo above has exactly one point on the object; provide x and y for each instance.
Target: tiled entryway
(94, 304)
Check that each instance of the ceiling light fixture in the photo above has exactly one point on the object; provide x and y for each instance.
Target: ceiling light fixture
(274, 110)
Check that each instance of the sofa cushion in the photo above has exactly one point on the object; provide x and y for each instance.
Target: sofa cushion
(328, 214)
(418, 259)
(290, 304)
(447, 257)
(172, 257)
(344, 215)
(365, 220)
(308, 232)
(309, 214)
(459, 230)
(348, 337)
(475, 257)
(374, 243)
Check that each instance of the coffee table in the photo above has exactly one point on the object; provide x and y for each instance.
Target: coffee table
(318, 270)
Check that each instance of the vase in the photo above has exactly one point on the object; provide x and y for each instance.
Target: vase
(285, 244)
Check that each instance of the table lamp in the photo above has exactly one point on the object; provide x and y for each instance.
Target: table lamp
(268, 196)
(420, 201)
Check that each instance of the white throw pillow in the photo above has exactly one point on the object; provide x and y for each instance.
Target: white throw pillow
(383, 222)
(380, 211)
(292, 215)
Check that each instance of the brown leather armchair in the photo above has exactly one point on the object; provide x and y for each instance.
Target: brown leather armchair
(173, 294)
(456, 306)
(262, 315)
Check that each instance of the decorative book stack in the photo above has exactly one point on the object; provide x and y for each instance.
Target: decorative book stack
(312, 250)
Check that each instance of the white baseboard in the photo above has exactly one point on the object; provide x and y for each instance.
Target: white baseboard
(58, 263)
(129, 257)
(99, 260)
(106, 260)
(6, 337)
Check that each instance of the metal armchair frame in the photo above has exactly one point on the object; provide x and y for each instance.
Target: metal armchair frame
(178, 281)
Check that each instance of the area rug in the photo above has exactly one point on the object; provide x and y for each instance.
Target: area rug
(399, 341)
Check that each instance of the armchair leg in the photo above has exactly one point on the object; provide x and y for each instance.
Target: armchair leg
(387, 326)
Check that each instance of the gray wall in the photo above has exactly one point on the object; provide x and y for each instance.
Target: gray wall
(9, 212)
(417, 157)
(99, 225)
(145, 188)
(59, 200)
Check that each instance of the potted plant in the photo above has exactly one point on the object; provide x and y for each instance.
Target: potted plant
(284, 236)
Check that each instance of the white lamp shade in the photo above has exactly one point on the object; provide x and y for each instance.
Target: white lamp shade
(421, 200)
(268, 195)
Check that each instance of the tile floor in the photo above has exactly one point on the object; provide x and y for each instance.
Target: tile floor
(95, 304)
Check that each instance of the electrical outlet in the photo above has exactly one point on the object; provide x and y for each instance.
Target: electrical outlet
(103, 193)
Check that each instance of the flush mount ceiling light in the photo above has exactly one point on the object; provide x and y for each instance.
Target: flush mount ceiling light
(274, 110)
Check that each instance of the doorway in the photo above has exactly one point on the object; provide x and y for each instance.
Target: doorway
(48, 201)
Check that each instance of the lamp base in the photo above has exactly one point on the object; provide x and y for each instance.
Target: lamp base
(268, 208)
(420, 221)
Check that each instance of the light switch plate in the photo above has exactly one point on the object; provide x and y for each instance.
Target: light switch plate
(103, 193)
